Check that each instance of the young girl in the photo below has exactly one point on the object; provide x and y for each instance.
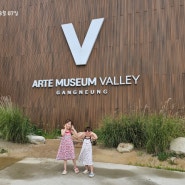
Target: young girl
(66, 148)
(85, 156)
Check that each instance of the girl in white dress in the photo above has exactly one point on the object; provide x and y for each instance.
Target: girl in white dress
(85, 156)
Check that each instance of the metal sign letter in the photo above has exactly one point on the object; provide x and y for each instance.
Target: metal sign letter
(81, 53)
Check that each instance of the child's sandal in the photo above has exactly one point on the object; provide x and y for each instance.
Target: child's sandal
(64, 172)
(76, 170)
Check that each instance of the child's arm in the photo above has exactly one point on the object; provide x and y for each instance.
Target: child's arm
(62, 132)
(74, 132)
(81, 135)
(94, 136)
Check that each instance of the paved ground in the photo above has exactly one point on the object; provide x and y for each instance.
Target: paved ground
(32, 171)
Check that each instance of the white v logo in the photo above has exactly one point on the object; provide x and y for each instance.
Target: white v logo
(81, 54)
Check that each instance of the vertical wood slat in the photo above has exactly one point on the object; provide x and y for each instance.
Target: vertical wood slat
(137, 37)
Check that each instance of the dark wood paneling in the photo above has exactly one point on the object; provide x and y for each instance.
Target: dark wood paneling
(137, 37)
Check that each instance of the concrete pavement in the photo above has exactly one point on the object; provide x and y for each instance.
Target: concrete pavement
(31, 171)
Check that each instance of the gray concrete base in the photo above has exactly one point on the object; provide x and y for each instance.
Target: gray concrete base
(31, 171)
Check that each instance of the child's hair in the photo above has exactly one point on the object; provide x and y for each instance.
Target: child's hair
(89, 129)
(68, 120)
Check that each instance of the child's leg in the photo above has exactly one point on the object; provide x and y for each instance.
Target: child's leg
(86, 171)
(65, 165)
(91, 173)
(75, 167)
(91, 168)
(86, 167)
(65, 168)
(74, 163)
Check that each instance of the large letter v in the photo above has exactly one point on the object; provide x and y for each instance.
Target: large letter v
(81, 54)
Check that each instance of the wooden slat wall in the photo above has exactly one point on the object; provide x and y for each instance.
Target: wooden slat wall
(143, 37)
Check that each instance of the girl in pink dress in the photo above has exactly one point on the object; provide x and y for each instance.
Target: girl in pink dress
(66, 148)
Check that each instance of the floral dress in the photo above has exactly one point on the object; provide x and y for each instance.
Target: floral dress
(66, 148)
(85, 156)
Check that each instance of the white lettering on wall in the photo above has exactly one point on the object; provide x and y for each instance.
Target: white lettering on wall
(86, 82)
(78, 82)
(128, 80)
(43, 83)
(135, 78)
(82, 92)
(81, 53)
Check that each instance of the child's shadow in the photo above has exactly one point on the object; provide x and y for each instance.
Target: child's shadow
(113, 173)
